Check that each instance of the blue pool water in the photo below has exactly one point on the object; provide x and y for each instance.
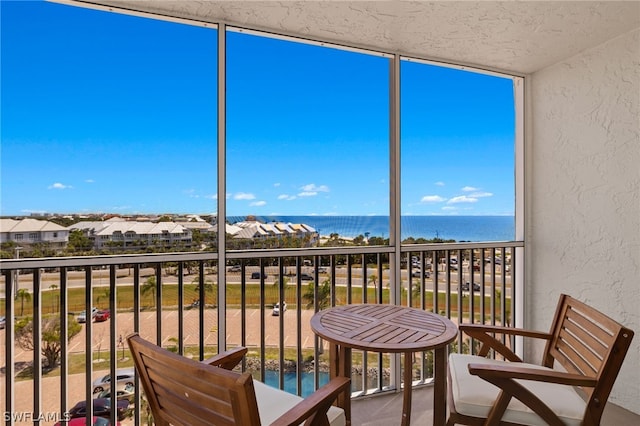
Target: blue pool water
(290, 383)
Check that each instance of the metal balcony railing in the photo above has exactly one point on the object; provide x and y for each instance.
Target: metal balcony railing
(188, 303)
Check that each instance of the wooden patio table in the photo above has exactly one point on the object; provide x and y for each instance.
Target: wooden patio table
(387, 329)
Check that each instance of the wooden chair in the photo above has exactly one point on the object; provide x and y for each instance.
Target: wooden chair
(181, 391)
(586, 348)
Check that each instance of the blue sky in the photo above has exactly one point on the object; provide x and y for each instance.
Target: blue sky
(109, 113)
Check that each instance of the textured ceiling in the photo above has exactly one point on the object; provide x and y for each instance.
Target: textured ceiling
(515, 36)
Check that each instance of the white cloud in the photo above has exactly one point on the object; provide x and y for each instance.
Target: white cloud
(286, 197)
(432, 199)
(244, 196)
(469, 189)
(481, 194)
(258, 203)
(439, 183)
(462, 199)
(89, 181)
(311, 190)
(277, 184)
(312, 187)
(59, 185)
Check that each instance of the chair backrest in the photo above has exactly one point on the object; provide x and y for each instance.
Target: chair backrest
(182, 391)
(589, 343)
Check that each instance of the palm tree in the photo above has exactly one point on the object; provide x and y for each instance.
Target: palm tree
(23, 294)
(208, 286)
(149, 287)
(324, 293)
(373, 278)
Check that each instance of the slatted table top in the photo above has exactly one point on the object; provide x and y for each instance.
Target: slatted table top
(384, 328)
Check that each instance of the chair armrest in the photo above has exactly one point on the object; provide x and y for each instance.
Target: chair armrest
(228, 359)
(515, 371)
(505, 378)
(483, 333)
(315, 406)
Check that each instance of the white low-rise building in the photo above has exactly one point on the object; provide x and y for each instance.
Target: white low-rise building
(257, 230)
(28, 231)
(125, 233)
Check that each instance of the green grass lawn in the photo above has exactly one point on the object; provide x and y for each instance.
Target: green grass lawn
(125, 298)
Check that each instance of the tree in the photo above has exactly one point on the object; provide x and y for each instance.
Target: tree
(149, 286)
(324, 291)
(23, 294)
(50, 332)
(79, 242)
(373, 278)
(197, 237)
(208, 286)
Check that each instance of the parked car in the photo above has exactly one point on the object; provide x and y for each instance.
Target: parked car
(306, 277)
(125, 376)
(101, 408)
(102, 315)
(416, 273)
(82, 421)
(256, 276)
(124, 391)
(3, 322)
(465, 287)
(235, 268)
(82, 317)
(276, 308)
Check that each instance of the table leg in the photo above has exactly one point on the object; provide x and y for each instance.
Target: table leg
(439, 386)
(408, 382)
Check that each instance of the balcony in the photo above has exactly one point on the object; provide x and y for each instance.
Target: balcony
(177, 301)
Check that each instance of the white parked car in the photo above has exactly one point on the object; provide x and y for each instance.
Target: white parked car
(276, 308)
(125, 377)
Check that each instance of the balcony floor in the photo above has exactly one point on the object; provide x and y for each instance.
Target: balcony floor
(385, 410)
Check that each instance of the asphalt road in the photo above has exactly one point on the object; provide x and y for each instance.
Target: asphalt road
(124, 277)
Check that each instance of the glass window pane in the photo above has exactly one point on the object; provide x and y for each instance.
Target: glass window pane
(458, 150)
(107, 121)
(307, 141)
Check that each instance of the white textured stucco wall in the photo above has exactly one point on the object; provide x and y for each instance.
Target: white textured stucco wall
(583, 193)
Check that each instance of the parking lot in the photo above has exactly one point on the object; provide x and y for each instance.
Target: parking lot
(50, 386)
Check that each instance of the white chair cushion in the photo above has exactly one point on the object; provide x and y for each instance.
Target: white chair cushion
(272, 403)
(474, 396)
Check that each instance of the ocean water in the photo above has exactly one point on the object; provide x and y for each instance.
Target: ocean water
(459, 228)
